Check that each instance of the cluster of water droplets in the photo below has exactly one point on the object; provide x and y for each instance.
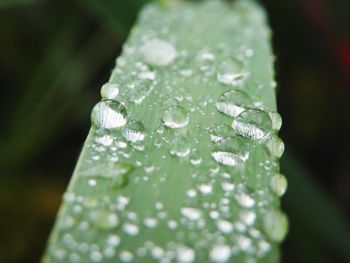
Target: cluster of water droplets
(150, 191)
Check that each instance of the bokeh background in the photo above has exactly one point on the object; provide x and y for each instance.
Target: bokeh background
(55, 55)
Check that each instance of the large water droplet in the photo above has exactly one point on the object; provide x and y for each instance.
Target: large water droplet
(275, 225)
(253, 124)
(275, 146)
(278, 184)
(103, 219)
(108, 114)
(231, 151)
(233, 102)
(134, 131)
(175, 117)
(180, 146)
(109, 91)
(158, 52)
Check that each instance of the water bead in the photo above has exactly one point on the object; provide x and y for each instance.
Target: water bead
(276, 120)
(103, 219)
(157, 52)
(134, 131)
(233, 102)
(278, 184)
(180, 146)
(109, 91)
(108, 114)
(175, 117)
(231, 151)
(275, 146)
(220, 132)
(253, 124)
(231, 72)
(275, 225)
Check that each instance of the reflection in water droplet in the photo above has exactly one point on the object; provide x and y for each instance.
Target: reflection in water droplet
(231, 151)
(275, 146)
(158, 52)
(108, 114)
(220, 132)
(175, 117)
(253, 124)
(134, 131)
(103, 219)
(275, 224)
(278, 184)
(233, 102)
(109, 91)
(276, 120)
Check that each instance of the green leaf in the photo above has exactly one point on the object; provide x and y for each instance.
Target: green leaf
(181, 162)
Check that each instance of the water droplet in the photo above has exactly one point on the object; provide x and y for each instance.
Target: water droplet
(244, 200)
(205, 189)
(225, 226)
(134, 131)
(185, 254)
(231, 151)
(158, 52)
(195, 158)
(175, 117)
(253, 124)
(275, 146)
(276, 120)
(220, 132)
(113, 240)
(108, 114)
(278, 184)
(109, 91)
(180, 146)
(191, 213)
(220, 253)
(131, 229)
(103, 219)
(233, 102)
(230, 72)
(275, 225)
(126, 256)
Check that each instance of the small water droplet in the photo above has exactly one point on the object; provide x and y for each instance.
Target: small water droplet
(157, 52)
(185, 254)
(225, 226)
(231, 151)
(233, 102)
(191, 213)
(103, 219)
(175, 117)
(131, 229)
(108, 114)
(134, 131)
(220, 253)
(278, 184)
(253, 124)
(276, 120)
(231, 72)
(109, 91)
(180, 146)
(275, 146)
(275, 225)
(244, 200)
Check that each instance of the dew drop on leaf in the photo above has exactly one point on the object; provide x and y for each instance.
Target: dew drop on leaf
(108, 114)
(109, 91)
(253, 124)
(231, 151)
(134, 131)
(278, 184)
(275, 146)
(157, 52)
(103, 218)
(175, 117)
(233, 102)
(220, 253)
(275, 224)
(276, 120)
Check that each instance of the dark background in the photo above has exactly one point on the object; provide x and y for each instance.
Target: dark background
(54, 56)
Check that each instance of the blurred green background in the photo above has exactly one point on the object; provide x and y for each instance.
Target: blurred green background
(55, 55)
